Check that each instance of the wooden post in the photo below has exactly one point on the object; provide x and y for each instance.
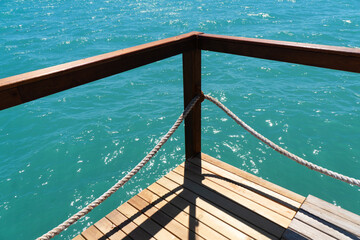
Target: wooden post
(192, 87)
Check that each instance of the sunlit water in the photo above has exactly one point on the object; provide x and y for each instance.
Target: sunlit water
(60, 152)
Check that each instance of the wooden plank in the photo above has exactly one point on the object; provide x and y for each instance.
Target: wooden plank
(224, 202)
(340, 58)
(178, 214)
(352, 217)
(259, 181)
(204, 226)
(79, 237)
(109, 229)
(192, 87)
(160, 217)
(128, 226)
(250, 185)
(249, 204)
(178, 203)
(331, 218)
(205, 211)
(323, 226)
(237, 188)
(309, 231)
(92, 233)
(153, 228)
(40, 83)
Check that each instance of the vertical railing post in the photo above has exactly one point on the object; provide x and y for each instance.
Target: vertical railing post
(192, 87)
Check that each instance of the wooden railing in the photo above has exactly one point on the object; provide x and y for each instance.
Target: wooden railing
(29, 86)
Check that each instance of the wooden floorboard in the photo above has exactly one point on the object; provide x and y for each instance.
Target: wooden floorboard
(205, 212)
(317, 219)
(203, 198)
(243, 191)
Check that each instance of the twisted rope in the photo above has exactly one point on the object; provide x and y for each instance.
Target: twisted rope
(52, 233)
(282, 151)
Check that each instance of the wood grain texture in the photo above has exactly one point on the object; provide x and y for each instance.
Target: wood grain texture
(200, 199)
(151, 227)
(309, 231)
(352, 217)
(244, 192)
(207, 226)
(323, 226)
(127, 226)
(332, 218)
(40, 83)
(92, 233)
(318, 219)
(248, 176)
(79, 237)
(206, 211)
(339, 58)
(240, 200)
(256, 188)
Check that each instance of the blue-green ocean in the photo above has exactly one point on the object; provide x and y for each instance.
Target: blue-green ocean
(60, 152)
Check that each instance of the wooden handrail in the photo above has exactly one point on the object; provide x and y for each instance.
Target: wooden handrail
(25, 87)
(339, 58)
(32, 85)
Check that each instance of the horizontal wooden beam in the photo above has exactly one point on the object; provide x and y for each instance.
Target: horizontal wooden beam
(32, 85)
(339, 58)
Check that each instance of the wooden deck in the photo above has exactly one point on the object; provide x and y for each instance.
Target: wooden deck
(318, 219)
(202, 198)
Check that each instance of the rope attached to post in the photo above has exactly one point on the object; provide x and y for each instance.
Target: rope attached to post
(282, 151)
(52, 233)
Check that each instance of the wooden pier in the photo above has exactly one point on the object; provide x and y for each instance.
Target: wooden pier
(205, 198)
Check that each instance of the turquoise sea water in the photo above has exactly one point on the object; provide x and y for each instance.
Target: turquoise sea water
(60, 152)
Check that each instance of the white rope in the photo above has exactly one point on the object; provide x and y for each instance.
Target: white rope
(277, 148)
(124, 180)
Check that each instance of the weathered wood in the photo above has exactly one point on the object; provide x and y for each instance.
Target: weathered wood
(352, 217)
(192, 87)
(322, 226)
(40, 83)
(309, 231)
(318, 219)
(331, 218)
(340, 58)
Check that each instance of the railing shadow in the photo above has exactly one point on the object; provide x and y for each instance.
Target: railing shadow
(193, 176)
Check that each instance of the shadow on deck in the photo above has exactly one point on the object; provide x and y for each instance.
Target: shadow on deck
(202, 198)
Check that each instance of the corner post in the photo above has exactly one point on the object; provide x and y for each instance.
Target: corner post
(192, 87)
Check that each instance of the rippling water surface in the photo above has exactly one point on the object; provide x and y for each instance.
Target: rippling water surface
(60, 152)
